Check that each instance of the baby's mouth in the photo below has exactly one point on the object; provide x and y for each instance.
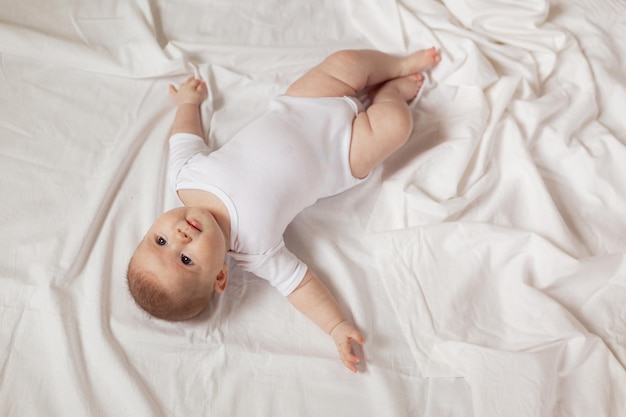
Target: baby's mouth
(194, 224)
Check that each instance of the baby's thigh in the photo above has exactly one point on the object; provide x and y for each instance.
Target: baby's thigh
(375, 136)
(317, 83)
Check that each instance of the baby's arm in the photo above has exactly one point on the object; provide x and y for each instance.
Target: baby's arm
(314, 300)
(188, 97)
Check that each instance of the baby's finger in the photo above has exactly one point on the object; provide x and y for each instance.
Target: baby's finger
(357, 337)
(350, 361)
(173, 90)
(347, 357)
(351, 366)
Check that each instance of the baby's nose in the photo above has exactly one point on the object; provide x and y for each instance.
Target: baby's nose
(183, 235)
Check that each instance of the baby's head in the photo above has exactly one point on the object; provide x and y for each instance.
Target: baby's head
(179, 264)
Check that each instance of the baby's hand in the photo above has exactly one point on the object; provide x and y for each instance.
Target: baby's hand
(342, 334)
(192, 91)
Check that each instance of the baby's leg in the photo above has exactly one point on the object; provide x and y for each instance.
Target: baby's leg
(385, 126)
(345, 73)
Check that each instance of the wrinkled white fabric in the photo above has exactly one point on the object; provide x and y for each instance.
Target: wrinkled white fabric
(484, 263)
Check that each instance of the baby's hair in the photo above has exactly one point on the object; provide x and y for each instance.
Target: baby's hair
(156, 300)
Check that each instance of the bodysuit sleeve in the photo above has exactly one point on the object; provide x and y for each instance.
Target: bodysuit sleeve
(279, 266)
(182, 147)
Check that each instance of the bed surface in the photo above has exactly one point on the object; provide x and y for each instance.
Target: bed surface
(484, 263)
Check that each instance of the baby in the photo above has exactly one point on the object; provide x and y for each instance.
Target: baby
(314, 141)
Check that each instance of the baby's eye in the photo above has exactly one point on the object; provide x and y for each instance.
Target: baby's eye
(186, 260)
(160, 241)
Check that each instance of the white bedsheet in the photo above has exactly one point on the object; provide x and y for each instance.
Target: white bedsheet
(484, 263)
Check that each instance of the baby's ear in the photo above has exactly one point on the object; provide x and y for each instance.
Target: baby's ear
(221, 281)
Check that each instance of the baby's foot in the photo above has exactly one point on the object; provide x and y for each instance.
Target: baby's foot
(407, 87)
(421, 60)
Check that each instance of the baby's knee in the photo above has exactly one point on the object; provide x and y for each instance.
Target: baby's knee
(392, 121)
(404, 126)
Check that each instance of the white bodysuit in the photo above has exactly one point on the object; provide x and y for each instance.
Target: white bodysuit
(294, 154)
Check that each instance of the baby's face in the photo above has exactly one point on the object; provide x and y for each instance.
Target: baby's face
(186, 247)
